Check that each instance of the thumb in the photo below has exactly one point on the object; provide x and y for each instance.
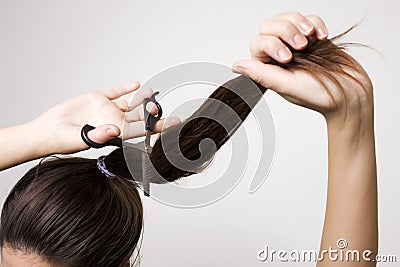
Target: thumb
(104, 133)
(268, 75)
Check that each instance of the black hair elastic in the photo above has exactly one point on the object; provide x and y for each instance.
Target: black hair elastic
(84, 134)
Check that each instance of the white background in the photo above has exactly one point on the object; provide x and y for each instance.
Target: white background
(53, 50)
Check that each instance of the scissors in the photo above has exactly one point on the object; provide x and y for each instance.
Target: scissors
(151, 120)
(143, 147)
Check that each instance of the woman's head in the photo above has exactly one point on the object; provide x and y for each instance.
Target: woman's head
(65, 212)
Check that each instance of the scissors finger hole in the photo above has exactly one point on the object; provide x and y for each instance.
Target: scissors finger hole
(152, 108)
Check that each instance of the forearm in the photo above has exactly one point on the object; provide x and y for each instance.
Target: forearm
(21, 143)
(351, 211)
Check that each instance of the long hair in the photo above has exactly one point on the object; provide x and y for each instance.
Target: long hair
(232, 102)
(66, 211)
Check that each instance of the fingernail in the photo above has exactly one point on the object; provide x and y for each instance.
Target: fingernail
(300, 40)
(237, 69)
(322, 33)
(111, 131)
(306, 27)
(284, 53)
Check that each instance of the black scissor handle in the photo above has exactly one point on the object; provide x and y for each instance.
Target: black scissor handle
(150, 118)
(84, 134)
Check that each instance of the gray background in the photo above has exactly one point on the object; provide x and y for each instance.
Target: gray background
(53, 50)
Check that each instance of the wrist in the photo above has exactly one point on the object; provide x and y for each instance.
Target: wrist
(351, 145)
(355, 109)
(352, 124)
(38, 141)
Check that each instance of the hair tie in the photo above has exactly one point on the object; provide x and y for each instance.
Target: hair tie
(102, 167)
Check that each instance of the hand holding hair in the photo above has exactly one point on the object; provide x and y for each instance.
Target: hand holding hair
(292, 57)
(107, 212)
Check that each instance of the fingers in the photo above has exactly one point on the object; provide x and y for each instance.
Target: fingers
(119, 91)
(288, 29)
(265, 47)
(151, 108)
(123, 105)
(138, 114)
(307, 25)
(269, 76)
(134, 115)
(321, 29)
(137, 128)
(163, 124)
(127, 105)
(104, 133)
(138, 99)
(302, 23)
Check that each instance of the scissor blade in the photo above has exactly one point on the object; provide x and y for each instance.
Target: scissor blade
(147, 142)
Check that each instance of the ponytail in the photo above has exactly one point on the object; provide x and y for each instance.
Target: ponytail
(230, 103)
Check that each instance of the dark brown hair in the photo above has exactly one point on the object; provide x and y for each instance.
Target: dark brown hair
(66, 211)
(231, 103)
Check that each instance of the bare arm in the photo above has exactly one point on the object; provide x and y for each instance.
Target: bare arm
(351, 211)
(57, 131)
(20, 144)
